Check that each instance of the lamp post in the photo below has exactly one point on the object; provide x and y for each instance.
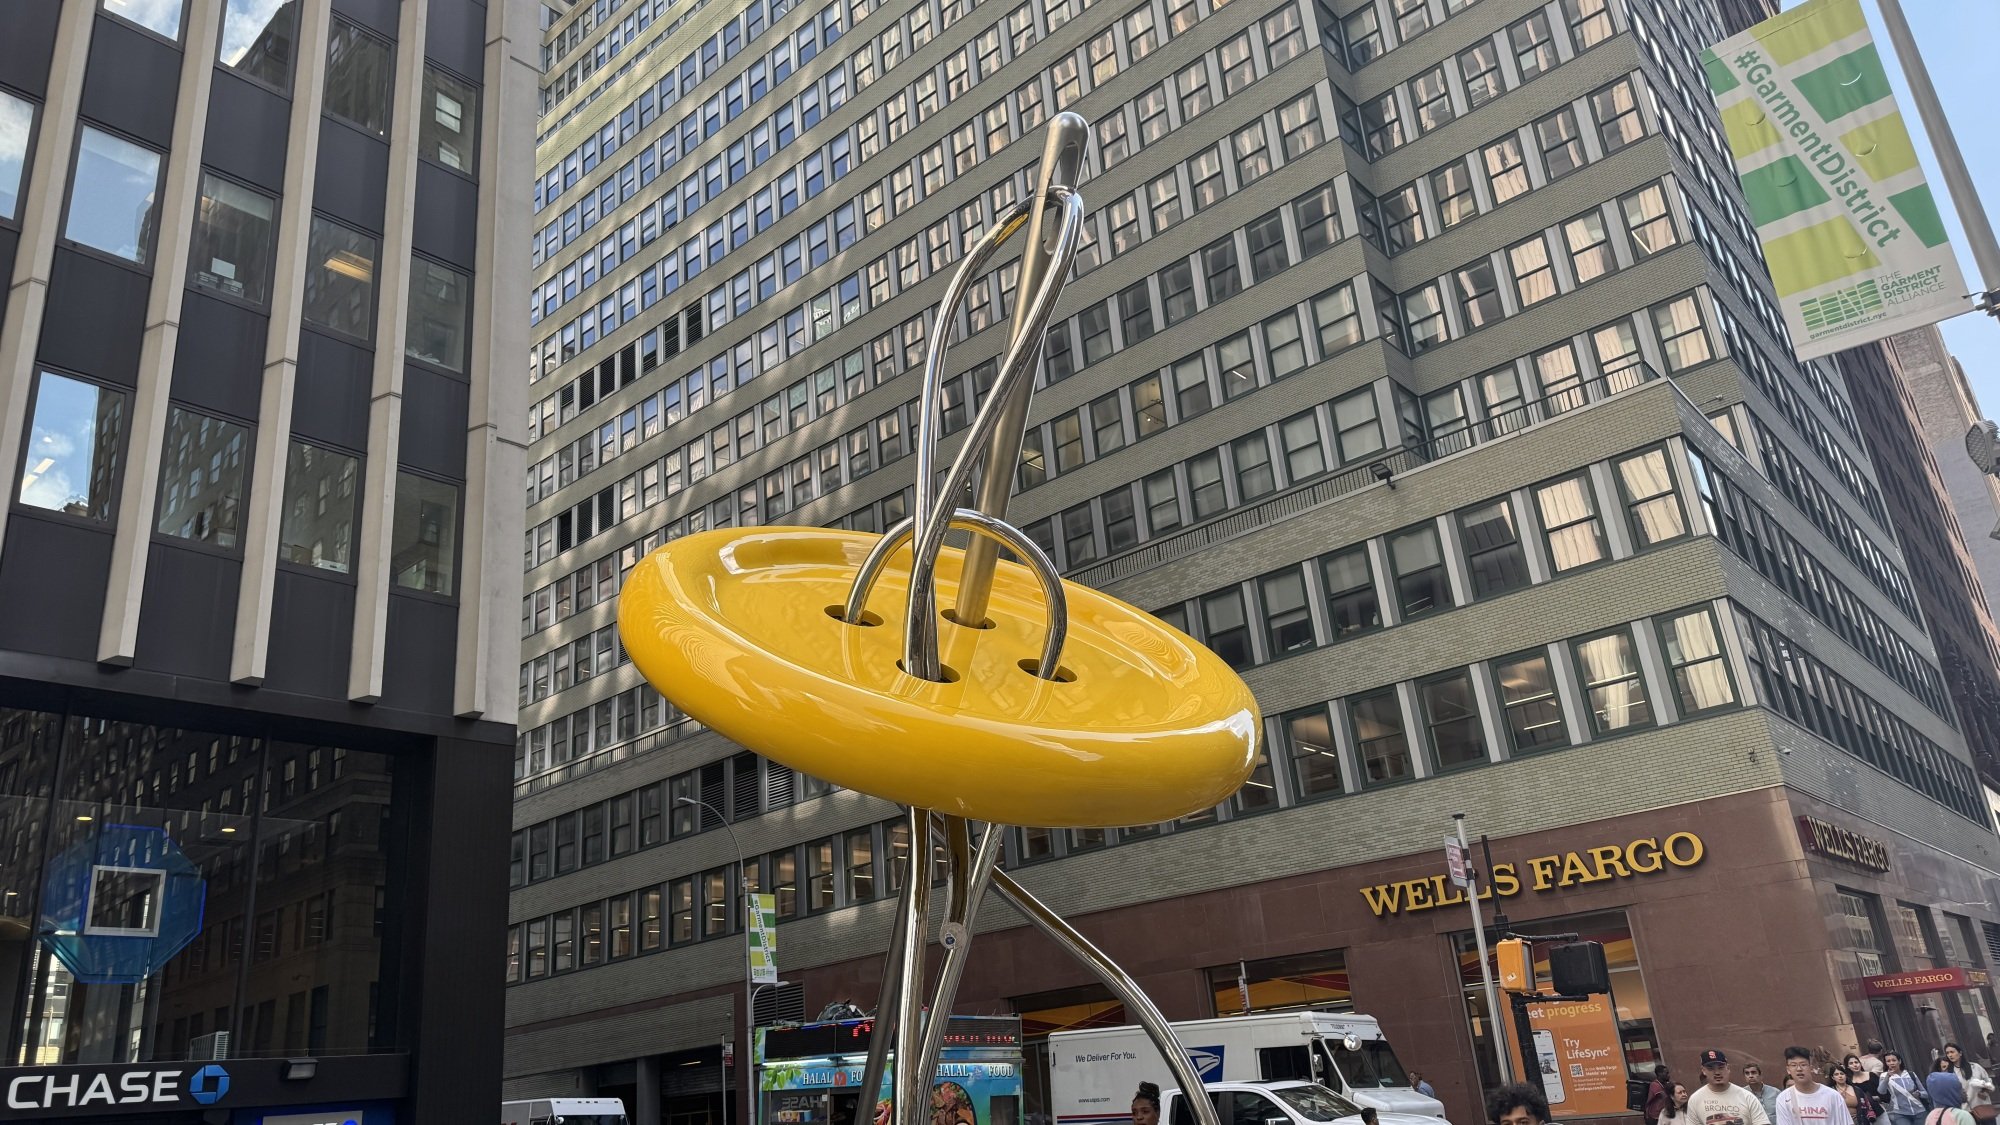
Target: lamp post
(749, 991)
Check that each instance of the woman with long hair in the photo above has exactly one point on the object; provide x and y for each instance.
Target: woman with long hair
(1676, 1111)
(1978, 1084)
(1859, 1109)
(1902, 1092)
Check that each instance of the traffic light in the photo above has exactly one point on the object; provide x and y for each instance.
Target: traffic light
(1517, 965)
(1577, 968)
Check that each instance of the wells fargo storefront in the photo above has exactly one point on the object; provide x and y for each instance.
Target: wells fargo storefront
(1724, 922)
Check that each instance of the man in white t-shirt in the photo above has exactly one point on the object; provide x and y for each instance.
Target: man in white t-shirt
(1720, 1101)
(1806, 1102)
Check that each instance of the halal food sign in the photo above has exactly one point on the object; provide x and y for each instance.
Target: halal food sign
(1647, 856)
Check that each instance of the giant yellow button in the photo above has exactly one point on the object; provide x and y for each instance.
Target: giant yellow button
(740, 628)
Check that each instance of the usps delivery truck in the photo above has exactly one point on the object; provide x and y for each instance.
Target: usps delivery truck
(1093, 1073)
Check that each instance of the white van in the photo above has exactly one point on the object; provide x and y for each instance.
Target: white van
(564, 1111)
(1093, 1073)
(1277, 1103)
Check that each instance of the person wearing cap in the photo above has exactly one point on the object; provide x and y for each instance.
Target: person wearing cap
(1718, 1101)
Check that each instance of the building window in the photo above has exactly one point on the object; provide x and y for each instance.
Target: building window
(1381, 122)
(1135, 313)
(1315, 761)
(538, 948)
(1534, 45)
(1616, 108)
(202, 474)
(440, 315)
(1204, 171)
(1647, 218)
(1651, 506)
(1403, 218)
(1177, 298)
(1225, 629)
(1561, 144)
(1252, 153)
(681, 910)
(1299, 128)
(1432, 95)
(819, 875)
(1534, 273)
(1422, 585)
(861, 865)
(1251, 454)
(1352, 606)
(340, 279)
(1478, 291)
(1617, 692)
(449, 131)
(1589, 22)
(1163, 506)
(1284, 36)
(1569, 522)
(1451, 186)
(359, 68)
(258, 38)
(1413, 18)
(1529, 703)
(1681, 337)
(1589, 243)
(163, 17)
(1338, 318)
(1218, 261)
(75, 444)
(1362, 31)
(1423, 318)
(231, 248)
(1357, 425)
(1479, 66)
(1268, 255)
(1317, 216)
(1288, 626)
(17, 124)
(114, 196)
(1493, 555)
(1381, 744)
(1506, 168)
(1237, 64)
(317, 528)
(423, 551)
(1451, 719)
(1695, 661)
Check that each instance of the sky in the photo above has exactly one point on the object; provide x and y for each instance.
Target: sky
(1960, 42)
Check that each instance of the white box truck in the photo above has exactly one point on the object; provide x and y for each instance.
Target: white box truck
(1276, 1103)
(1093, 1073)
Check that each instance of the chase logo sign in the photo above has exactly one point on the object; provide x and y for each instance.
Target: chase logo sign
(1207, 1062)
(209, 1084)
(84, 1089)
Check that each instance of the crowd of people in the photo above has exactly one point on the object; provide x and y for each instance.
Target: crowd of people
(1874, 1087)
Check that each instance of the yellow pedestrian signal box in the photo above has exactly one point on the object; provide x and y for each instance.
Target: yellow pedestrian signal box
(1517, 965)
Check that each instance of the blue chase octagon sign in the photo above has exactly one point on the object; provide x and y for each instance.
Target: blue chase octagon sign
(118, 904)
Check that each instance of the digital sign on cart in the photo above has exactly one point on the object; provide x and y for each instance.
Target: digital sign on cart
(812, 1074)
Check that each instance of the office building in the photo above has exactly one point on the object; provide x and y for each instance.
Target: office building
(1946, 408)
(258, 565)
(1418, 359)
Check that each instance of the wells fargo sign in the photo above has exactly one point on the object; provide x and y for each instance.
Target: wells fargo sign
(1923, 980)
(1647, 856)
(1835, 842)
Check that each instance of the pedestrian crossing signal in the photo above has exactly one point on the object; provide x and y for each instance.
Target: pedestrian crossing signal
(1517, 965)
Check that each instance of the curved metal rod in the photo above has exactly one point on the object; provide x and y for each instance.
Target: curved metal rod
(1123, 987)
(911, 1084)
(920, 649)
(933, 381)
(1013, 538)
(887, 1002)
(957, 936)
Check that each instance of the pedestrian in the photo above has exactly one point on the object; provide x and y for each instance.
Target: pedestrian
(1146, 1104)
(1368, 1115)
(1871, 1056)
(1721, 1102)
(1805, 1101)
(1993, 1049)
(1753, 1081)
(1945, 1087)
(1943, 1112)
(1858, 1107)
(1867, 1083)
(1978, 1083)
(1901, 1092)
(1660, 1094)
(1418, 1084)
(1518, 1104)
(1676, 1112)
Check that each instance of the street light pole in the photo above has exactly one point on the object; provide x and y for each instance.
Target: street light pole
(749, 985)
(1951, 164)
(1485, 966)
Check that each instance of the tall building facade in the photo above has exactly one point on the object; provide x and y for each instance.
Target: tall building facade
(257, 566)
(1947, 407)
(1418, 359)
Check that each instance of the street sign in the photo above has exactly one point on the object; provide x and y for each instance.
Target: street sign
(1454, 858)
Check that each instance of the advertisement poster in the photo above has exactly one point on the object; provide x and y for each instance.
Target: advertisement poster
(1850, 228)
(965, 1093)
(764, 939)
(1576, 1049)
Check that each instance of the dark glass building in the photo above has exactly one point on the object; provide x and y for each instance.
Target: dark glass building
(257, 567)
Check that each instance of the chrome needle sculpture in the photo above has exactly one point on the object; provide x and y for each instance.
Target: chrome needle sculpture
(1031, 701)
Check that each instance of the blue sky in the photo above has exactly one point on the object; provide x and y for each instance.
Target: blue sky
(1960, 41)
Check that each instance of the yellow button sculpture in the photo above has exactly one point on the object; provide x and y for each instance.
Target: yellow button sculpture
(1029, 701)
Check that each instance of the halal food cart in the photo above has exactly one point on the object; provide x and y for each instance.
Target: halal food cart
(811, 1074)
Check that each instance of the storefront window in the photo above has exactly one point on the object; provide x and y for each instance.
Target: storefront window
(1316, 981)
(208, 849)
(1631, 1003)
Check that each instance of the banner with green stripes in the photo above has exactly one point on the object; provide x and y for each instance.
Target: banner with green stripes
(1849, 227)
(763, 938)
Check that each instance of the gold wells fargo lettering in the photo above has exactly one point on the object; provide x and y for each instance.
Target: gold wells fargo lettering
(1646, 856)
